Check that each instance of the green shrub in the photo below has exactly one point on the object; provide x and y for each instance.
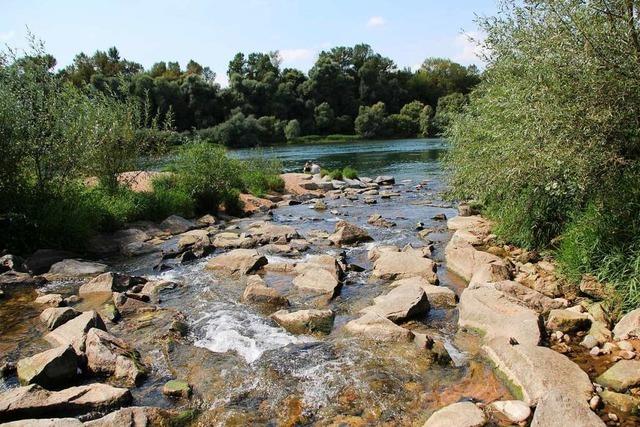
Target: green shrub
(349, 172)
(261, 175)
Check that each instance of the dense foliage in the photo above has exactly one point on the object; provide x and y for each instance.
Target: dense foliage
(264, 99)
(550, 141)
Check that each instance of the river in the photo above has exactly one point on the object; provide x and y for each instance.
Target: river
(246, 370)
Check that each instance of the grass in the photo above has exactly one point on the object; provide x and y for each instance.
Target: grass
(339, 174)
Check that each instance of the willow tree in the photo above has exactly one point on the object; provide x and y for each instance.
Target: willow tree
(550, 141)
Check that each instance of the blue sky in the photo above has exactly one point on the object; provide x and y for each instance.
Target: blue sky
(211, 32)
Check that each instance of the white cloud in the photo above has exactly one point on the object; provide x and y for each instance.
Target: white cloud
(5, 37)
(295, 55)
(470, 48)
(222, 79)
(376, 21)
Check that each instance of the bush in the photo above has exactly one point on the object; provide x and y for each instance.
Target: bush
(349, 173)
(261, 175)
(292, 130)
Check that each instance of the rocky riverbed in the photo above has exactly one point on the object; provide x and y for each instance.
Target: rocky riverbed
(356, 302)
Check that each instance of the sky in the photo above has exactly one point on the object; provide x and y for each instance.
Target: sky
(212, 32)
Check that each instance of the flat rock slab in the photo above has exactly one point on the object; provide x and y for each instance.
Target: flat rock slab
(527, 296)
(135, 416)
(538, 370)
(238, 262)
(266, 232)
(472, 222)
(628, 326)
(74, 331)
(567, 321)
(109, 355)
(318, 280)
(496, 315)
(558, 409)
(403, 265)
(464, 260)
(377, 328)
(621, 376)
(463, 414)
(50, 368)
(58, 316)
(305, 321)
(326, 262)
(33, 401)
(401, 303)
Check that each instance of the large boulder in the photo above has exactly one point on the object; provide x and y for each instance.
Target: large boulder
(628, 326)
(305, 321)
(74, 332)
(401, 303)
(51, 368)
(176, 225)
(536, 371)
(135, 416)
(42, 260)
(57, 316)
(257, 292)
(621, 376)
(462, 414)
(326, 262)
(237, 262)
(567, 321)
(347, 234)
(109, 282)
(76, 268)
(496, 315)
(108, 355)
(32, 401)
(230, 240)
(267, 232)
(403, 265)
(318, 280)
(464, 260)
(374, 327)
(558, 409)
(195, 240)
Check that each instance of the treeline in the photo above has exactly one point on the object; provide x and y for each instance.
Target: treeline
(349, 90)
(550, 141)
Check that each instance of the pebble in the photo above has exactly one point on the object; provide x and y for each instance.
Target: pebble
(625, 345)
(608, 347)
(595, 351)
(566, 338)
(612, 416)
(594, 402)
(558, 335)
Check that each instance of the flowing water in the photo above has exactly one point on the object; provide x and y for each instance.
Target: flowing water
(248, 371)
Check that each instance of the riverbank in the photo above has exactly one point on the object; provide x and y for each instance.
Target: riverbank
(303, 311)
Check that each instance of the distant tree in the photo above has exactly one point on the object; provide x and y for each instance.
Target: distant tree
(324, 118)
(292, 130)
(425, 125)
(371, 121)
(448, 107)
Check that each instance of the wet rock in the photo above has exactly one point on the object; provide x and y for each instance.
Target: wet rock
(305, 321)
(136, 416)
(12, 262)
(347, 234)
(267, 232)
(176, 225)
(440, 296)
(439, 217)
(326, 262)
(384, 180)
(135, 249)
(51, 368)
(496, 315)
(319, 280)
(370, 201)
(53, 300)
(154, 288)
(462, 414)
(394, 266)
(515, 411)
(74, 331)
(377, 328)
(238, 262)
(622, 402)
(628, 326)
(177, 388)
(558, 409)
(17, 278)
(34, 401)
(42, 260)
(319, 205)
(229, 240)
(76, 268)
(257, 292)
(379, 221)
(567, 321)
(195, 240)
(109, 282)
(108, 355)
(57, 316)
(589, 285)
(537, 370)
(621, 376)
(406, 301)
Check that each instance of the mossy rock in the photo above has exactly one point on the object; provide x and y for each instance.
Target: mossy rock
(177, 388)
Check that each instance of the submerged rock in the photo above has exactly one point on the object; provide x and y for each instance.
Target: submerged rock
(374, 327)
(536, 371)
(305, 321)
(51, 368)
(462, 414)
(238, 262)
(34, 401)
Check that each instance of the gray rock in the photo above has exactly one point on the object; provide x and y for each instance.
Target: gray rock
(559, 409)
(621, 376)
(384, 180)
(305, 321)
(176, 225)
(46, 422)
(77, 268)
(51, 368)
(34, 401)
(462, 414)
(230, 240)
(135, 416)
(57, 316)
(42, 260)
